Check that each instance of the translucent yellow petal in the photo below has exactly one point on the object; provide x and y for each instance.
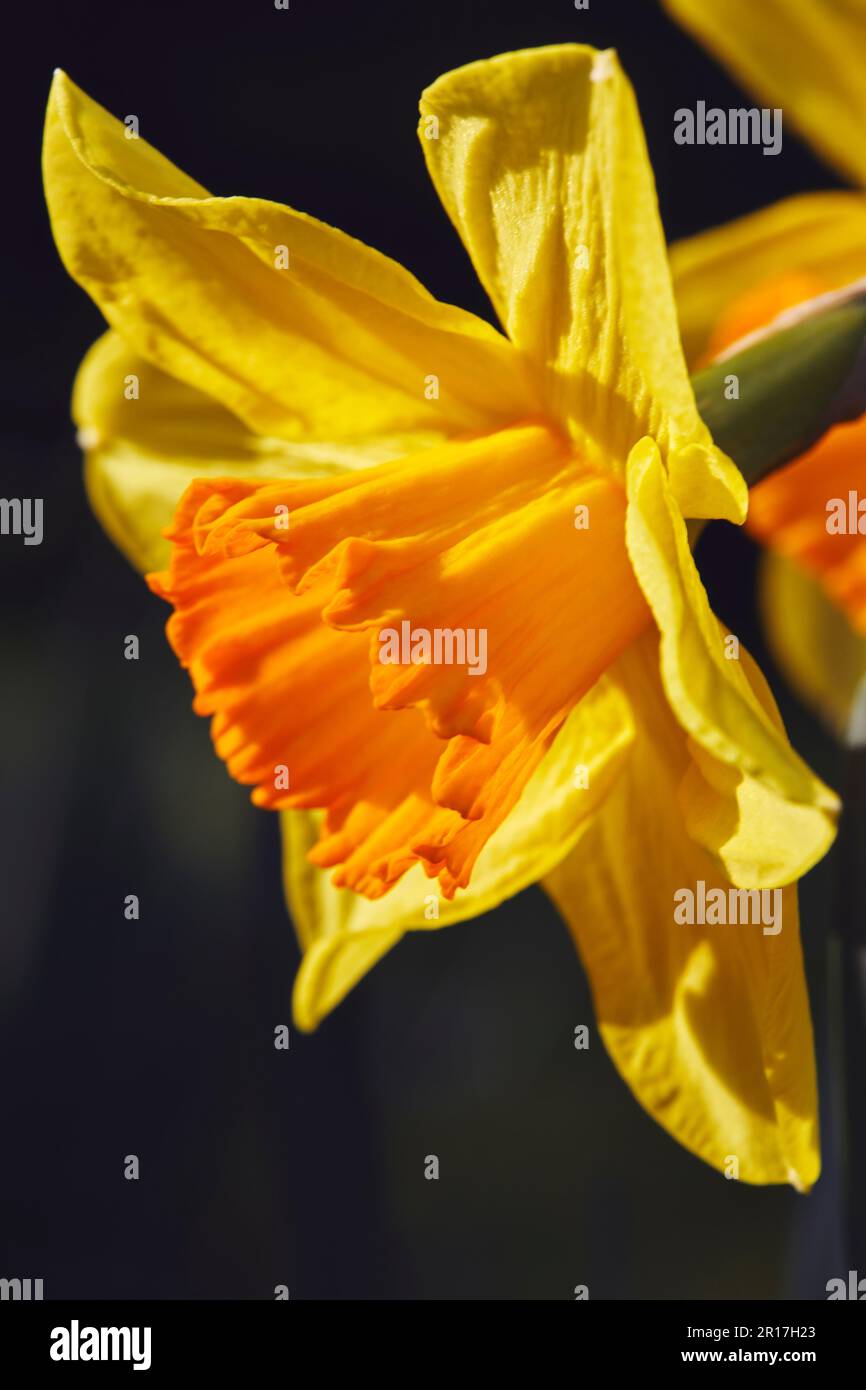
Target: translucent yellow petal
(755, 832)
(146, 436)
(822, 656)
(337, 953)
(807, 57)
(818, 236)
(343, 934)
(302, 331)
(708, 1024)
(540, 160)
(711, 696)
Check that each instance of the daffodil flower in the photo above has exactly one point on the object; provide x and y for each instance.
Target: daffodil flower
(810, 60)
(338, 454)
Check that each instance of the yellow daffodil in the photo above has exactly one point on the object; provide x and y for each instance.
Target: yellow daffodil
(810, 61)
(340, 457)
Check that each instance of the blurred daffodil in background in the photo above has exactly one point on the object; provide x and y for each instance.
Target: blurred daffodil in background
(335, 453)
(809, 60)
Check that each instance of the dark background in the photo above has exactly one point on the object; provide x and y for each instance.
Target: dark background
(156, 1037)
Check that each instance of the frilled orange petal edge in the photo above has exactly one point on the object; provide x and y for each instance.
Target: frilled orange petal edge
(304, 612)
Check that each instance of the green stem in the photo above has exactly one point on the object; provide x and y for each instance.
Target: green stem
(791, 387)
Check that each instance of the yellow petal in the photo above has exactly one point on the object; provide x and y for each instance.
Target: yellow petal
(820, 237)
(340, 343)
(540, 160)
(143, 449)
(748, 826)
(822, 656)
(335, 956)
(807, 58)
(711, 696)
(708, 1025)
(141, 455)
(343, 934)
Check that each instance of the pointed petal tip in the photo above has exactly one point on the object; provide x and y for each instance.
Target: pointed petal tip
(798, 1183)
(88, 437)
(603, 65)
